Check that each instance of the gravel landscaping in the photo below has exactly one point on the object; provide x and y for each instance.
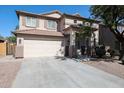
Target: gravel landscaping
(8, 71)
(114, 67)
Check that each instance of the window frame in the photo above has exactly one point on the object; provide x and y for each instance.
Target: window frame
(75, 21)
(31, 21)
(49, 25)
(20, 41)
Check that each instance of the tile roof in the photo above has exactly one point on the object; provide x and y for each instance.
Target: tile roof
(39, 32)
(34, 15)
(77, 16)
(52, 12)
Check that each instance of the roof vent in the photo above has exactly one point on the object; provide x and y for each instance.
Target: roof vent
(77, 14)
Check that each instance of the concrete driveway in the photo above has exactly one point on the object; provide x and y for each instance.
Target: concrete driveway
(51, 72)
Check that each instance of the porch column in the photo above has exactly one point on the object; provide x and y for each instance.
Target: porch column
(72, 50)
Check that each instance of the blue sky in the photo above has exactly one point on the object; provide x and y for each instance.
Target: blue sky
(9, 20)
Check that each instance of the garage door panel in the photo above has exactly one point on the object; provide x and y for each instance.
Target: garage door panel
(37, 48)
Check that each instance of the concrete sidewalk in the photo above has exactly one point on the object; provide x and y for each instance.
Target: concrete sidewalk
(51, 72)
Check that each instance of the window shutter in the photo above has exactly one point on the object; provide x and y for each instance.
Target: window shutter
(37, 22)
(23, 20)
(45, 23)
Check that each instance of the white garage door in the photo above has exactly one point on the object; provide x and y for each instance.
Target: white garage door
(39, 48)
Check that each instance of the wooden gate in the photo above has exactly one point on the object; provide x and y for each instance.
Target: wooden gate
(2, 49)
(10, 48)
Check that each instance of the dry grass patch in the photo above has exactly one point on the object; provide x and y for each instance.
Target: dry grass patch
(114, 68)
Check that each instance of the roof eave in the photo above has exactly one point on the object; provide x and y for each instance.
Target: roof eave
(34, 15)
(80, 17)
(31, 32)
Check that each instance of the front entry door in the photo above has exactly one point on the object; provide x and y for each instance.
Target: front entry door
(66, 51)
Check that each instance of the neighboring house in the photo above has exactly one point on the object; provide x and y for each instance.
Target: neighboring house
(2, 40)
(107, 38)
(50, 34)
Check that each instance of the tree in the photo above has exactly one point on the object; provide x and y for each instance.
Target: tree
(1, 37)
(11, 39)
(113, 17)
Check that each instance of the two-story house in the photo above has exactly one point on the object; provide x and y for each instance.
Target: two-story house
(50, 34)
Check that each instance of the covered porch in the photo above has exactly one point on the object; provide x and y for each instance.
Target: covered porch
(77, 47)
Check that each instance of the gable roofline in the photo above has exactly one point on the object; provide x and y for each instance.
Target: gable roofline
(78, 27)
(55, 11)
(52, 12)
(33, 15)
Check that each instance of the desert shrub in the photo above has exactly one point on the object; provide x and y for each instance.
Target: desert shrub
(112, 52)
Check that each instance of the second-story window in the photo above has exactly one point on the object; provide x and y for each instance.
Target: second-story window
(51, 24)
(31, 21)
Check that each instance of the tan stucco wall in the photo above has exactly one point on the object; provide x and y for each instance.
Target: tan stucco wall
(61, 24)
(70, 21)
(39, 37)
(42, 24)
(19, 52)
